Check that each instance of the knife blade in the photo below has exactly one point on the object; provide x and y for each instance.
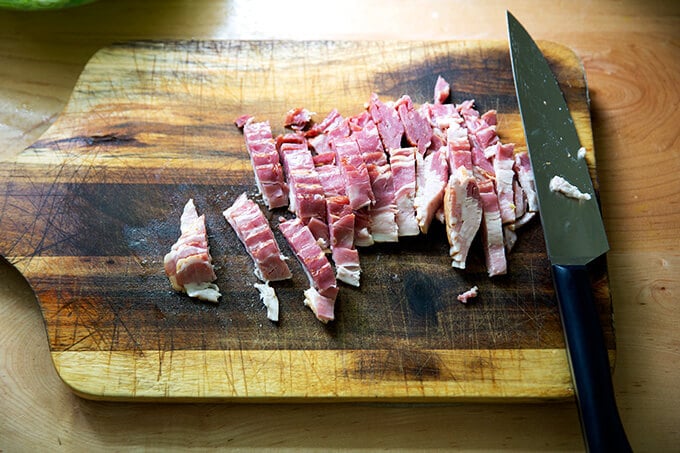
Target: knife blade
(574, 235)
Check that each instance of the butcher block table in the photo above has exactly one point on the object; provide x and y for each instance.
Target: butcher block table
(96, 363)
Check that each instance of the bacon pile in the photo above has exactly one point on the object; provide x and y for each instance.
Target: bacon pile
(387, 172)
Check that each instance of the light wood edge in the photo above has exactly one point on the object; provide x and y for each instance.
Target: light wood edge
(316, 375)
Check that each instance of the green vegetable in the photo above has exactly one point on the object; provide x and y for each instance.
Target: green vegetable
(28, 5)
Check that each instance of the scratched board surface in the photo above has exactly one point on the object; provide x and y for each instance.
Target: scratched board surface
(89, 211)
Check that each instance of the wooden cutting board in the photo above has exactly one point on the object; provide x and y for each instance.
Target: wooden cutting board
(90, 209)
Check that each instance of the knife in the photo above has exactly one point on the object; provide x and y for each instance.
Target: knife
(574, 236)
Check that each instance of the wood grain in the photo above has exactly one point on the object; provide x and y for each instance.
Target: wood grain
(630, 53)
(94, 204)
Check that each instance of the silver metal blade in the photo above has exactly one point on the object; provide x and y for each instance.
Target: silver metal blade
(574, 232)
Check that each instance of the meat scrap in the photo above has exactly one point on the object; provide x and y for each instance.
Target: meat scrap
(188, 265)
(269, 299)
(467, 295)
(561, 185)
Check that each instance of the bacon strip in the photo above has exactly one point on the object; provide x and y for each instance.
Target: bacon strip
(354, 168)
(432, 174)
(403, 165)
(386, 118)
(416, 128)
(382, 221)
(442, 89)
(188, 265)
(298, 118)
(503, 164)
(307, 199)
(525, 176)
(320, 297)
(462, 201)
(252, 228)
(341, 220)
(492, 229)
(265, 161)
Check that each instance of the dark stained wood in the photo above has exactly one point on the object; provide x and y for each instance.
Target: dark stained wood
(90, 209)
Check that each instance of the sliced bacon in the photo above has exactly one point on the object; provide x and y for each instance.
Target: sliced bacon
(323, 285)
(462, 214)
(462, 201)
(332, 121)
(525, 176)
(417, 129)
(484, 144)
(382, 223)
(386, 118)
(306, 192)
(492, 229)
(440, 116)
(332, 180)
(432, 175)
(298, 118)
(362, 225)
(188, 265)
(490, 117)
(323, 307)
(351, 184)
(252, 228)
(442, 89)
(481, 135)
(320, 136)
(403, 166)
(503, 164)
(242, 120)
(265, 162)
(341, 222)
(341, 226)
(347, 265)
(354, 168)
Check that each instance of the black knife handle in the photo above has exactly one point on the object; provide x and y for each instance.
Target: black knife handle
(600, 422)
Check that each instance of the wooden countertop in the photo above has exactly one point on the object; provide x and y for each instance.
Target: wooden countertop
(631, 54)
